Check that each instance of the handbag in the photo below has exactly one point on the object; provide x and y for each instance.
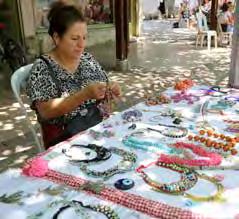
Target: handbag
(55, 133)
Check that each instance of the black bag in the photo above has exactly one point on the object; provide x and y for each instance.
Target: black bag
(90, 116)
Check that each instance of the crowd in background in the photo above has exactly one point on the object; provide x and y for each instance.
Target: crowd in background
(188, 15)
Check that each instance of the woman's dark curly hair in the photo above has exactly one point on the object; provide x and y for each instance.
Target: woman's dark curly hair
(61, 16)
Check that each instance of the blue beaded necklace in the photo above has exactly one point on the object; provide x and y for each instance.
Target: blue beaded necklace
(132, 142)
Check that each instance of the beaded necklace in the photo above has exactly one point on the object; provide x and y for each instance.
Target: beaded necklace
(131, 141)
(156, 100)
(214, 159)
(102, 153)
(132, 115)
(228, 146)
(216, 197)
(129, 159)
(188, 178)
(171, 131)
(77, 205)
(190, 98)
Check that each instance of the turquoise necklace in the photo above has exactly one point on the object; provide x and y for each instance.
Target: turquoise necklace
(132, 142)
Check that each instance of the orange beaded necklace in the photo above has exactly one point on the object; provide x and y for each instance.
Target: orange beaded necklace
(227, 146)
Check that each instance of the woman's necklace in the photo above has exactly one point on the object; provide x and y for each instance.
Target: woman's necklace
(225, 146)
(214, 159)
(126, 164)
(77, 205)
(102, 153)
(131, 141)
(188, 178)
(171, 131)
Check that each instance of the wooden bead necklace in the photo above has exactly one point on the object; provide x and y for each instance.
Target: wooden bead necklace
(228, 146)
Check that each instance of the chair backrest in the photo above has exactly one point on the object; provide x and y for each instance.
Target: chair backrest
(18, 82)
(201, 21)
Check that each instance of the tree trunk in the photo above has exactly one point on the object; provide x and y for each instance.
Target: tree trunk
(234, 68)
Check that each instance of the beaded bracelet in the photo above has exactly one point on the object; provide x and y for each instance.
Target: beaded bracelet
(102, 153)
(228, 146)
(188, 178)
(77, 205)
(126, 164)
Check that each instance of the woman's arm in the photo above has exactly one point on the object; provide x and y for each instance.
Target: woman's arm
(57, 107)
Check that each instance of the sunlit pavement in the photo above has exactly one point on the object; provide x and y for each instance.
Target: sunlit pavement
(160, 57)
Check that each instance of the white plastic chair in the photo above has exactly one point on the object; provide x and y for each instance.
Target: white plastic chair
(18, 82)
(224, 36)
(203, 31)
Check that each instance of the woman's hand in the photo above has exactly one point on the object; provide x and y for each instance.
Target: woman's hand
(115, 89)
(95, 91)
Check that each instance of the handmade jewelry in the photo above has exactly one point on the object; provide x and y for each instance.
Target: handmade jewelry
(132, 116)
(183, 84)
(77, 205)
(188, 178)
(171, 131)
(226, 147)
(223, 104)
(105, 105)
(171, 113)
(189, 98)
(132, 142)
(214, 159)
(126, 164)
(98, 135)
(156, 100)
(133, 126)
(216, 197)
(177, 121)
(13, 198)
(102, 153)
(233, 128)
(232, 98)
(231, 121)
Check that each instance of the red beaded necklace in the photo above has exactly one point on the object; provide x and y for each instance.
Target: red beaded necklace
(214, 158)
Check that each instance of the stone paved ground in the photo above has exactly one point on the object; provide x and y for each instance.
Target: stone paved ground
(161, 56)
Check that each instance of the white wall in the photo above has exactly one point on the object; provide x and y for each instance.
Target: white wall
(150, 6)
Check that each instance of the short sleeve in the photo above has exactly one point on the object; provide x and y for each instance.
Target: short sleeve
(40, 85)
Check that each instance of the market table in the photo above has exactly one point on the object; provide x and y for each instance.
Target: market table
(141, 145)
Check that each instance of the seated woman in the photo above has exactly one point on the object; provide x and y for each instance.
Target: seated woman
(226, 19)
(67, 84)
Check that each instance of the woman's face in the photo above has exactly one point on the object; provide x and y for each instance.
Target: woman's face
(72, 43)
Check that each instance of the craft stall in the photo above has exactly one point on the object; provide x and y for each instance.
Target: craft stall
(173, 156)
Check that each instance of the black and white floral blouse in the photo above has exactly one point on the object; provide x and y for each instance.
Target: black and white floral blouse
(41, 86)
